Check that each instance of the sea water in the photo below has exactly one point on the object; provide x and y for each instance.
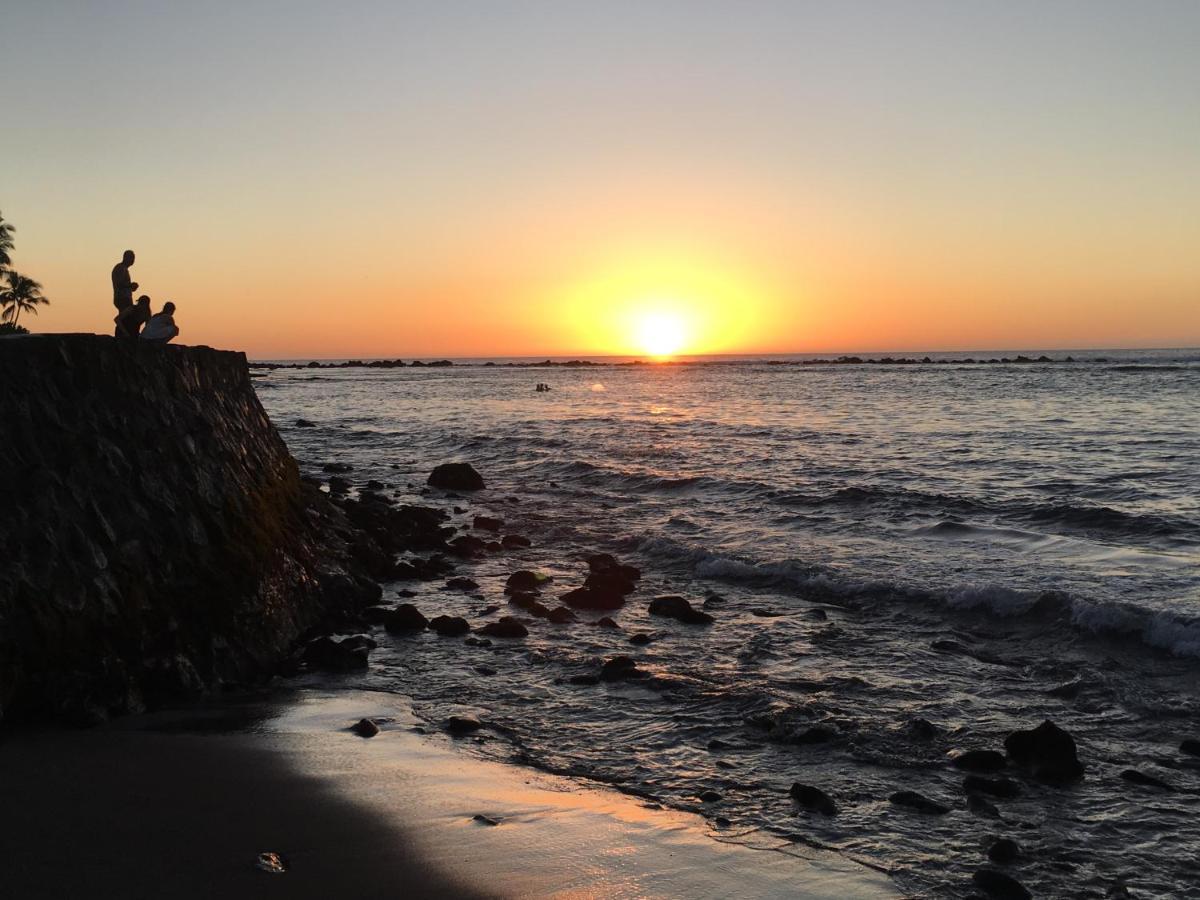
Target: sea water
(978, 545)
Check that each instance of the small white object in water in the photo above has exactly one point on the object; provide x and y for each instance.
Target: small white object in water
(270, 862)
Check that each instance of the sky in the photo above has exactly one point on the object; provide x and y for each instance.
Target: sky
(394, 179)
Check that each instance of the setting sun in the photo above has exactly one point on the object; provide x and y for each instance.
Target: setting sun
(660, 334)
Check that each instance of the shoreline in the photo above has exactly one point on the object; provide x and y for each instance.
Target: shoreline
(179, 803)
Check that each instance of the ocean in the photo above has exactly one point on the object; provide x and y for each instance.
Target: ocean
(980, 546)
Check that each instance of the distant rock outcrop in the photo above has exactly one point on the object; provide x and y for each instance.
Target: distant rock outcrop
(157, 539)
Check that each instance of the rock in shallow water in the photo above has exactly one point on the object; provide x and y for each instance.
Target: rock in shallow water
(462, 724)
(1190, 747)
(1133, 776)
(1000, 886)
(679, 609)
(449, 626)
(507, 627)
(980, 761)
(1047, 751)
(813, 798)
(336, 656)
(1003, 851)
(524, 581)
(455, 477)
(996, 787)
(588, 598)
(918, 802)
(620, 668)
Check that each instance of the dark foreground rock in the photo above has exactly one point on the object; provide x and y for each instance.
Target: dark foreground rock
(620, 668)
(365, 728)
(507, 627)
(980, 761)
(919, 802)
(405, 617)
(158, 539)
(679, 609)
(456, 477)
(813, 798)
(449, 626)
(1048, 752)
(999, 885)
(1003, 851)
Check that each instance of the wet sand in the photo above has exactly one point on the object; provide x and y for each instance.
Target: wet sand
(180, 804)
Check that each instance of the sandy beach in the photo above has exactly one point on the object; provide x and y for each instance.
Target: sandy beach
(180, 804)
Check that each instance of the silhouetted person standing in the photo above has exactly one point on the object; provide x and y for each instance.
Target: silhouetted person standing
(161, 328)
(131, 319)
(123, 286)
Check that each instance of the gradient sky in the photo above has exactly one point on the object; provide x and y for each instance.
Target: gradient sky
(533, 178)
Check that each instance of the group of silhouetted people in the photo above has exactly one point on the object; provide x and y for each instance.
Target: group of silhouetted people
(135, 320)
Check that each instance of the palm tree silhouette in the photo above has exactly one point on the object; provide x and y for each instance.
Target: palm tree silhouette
(6, 242)
(23, 295)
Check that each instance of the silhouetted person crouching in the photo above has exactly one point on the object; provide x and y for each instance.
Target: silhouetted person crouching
(131, 319)
(161, 328)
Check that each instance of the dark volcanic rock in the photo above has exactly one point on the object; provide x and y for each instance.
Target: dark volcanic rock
(584, 680)
(996, 787)
(467, 546)
(921, 729)
(365, 728)
(999, 886)
(449, 626)
(337, 468)
(335, 656)
(524, 580)
(560, 615)
(709, 797)
(507, 627)
(610, 582)
(458, 725)
(1047, 751)
(455, 477)
(620, 668)
(680, 609)
(1133, 776)
(605, 622)
(487, 523)
(305, 423)
(1190, 746)
(913, 800)
(405, 617)
(982, 807)
(1003, 851)
(980, 761)
(602, 562)
(514, 542)
(462, 584)
(813, 798)
(585, 598)
(523, 599)
(640, 640)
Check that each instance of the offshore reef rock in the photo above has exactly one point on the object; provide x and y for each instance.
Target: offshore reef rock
(405, 617)
(1048, 752)
(507, 627)
(157, 537)
(586, 598)
(919, 802)
(679, 609)
(456, 477)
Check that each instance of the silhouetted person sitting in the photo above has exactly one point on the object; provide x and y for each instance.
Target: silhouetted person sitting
(131, 319)
(123, 286)
(161, 327)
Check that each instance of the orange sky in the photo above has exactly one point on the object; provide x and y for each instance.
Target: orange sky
(399, 183)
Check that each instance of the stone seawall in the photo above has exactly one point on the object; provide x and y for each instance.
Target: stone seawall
(155, 537)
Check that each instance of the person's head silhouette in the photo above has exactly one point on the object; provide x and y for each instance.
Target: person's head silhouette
(143, 300)
(127, 258)
(169, 308)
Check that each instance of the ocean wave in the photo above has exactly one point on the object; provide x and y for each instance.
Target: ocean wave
(1063, 513)
(1174, 633)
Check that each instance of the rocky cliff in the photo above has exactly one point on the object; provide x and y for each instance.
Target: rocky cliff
(156, 538)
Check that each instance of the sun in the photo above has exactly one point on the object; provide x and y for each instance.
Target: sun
(660, 334)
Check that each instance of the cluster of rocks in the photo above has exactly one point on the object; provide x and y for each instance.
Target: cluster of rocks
(1046, 754)
(354, 364)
